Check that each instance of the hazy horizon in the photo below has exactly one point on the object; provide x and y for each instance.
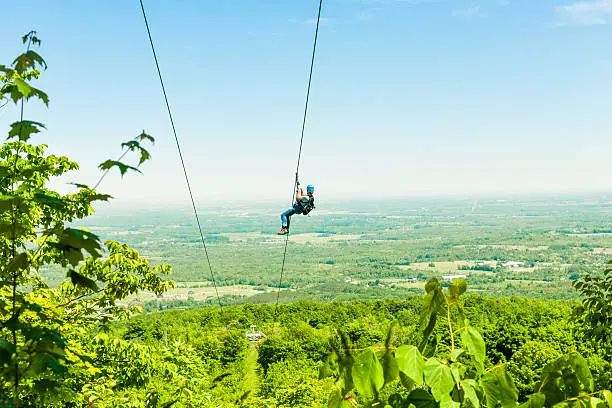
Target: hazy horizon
(324, 205)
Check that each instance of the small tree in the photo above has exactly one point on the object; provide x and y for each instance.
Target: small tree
(596, 309)
(47, 346)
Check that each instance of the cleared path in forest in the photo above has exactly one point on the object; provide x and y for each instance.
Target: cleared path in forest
(252, 379)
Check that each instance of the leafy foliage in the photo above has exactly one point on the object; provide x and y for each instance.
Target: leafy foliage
(451, 376)
(596, 308)
(301, 335)
(528, 362)
(15, 80)
(46, 356)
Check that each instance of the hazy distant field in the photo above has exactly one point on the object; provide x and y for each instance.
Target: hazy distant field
(375, 249)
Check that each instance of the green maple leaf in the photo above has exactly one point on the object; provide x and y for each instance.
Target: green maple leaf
(79, 185)
(72, 241)
(123, 168)
(24, 129)
(144, 136)
(20, 89)
(101, 197)
(31, 36)
(79, 280)
(50, 201)
(23, 87)
(134, 145)
(144, 156)
(27, 60)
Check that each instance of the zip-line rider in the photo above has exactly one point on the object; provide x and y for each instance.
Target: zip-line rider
(303, 205)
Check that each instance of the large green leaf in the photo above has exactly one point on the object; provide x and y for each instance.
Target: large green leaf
(608, 397)
(475, 344)
(24, 129)
(335, 398)
(79, 280)
(499, 389)
(469, 392)
(457, 370)
(12, 90)
(489, 384)
(447, 402)
(367, 374)
(78, 239)
(421, 399)
(410, 362)
(566, 377)
(583, 374)
(455, 353)
(345, 366)
(23, 88)
(50, 201)
(390, 367)
(325, 370)
(432, 285)
(439, 378)
(536, 400)
(72, 255)
(406, 381)
(28, 60)
(457, 288)
(432, 303)
(42, 362)
(507, 390)
(18, 263)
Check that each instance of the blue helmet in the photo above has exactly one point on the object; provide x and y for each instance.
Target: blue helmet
(310, 188)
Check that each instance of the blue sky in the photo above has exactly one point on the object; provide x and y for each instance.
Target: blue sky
(409, 97)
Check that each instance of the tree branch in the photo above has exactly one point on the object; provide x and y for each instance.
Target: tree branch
(80, 297)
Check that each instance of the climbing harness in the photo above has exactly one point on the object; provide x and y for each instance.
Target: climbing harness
(304, 207)
(308, 207)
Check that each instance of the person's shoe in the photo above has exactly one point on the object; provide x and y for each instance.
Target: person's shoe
(283, 231)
